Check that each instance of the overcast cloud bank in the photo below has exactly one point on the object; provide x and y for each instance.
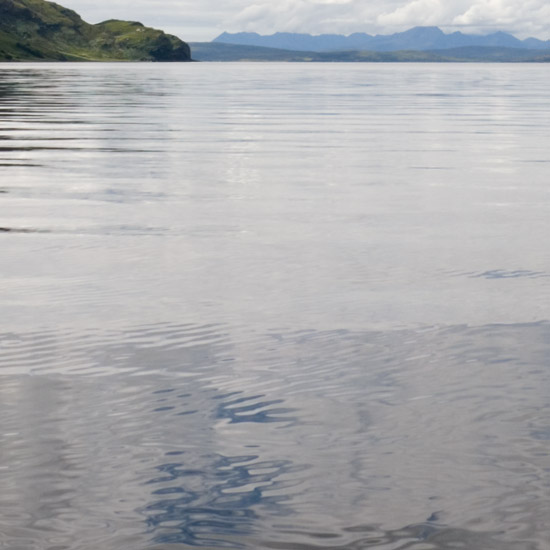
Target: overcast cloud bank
(205, 20)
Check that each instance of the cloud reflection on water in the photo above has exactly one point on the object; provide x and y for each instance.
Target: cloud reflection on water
(205, 337)
(425, 438)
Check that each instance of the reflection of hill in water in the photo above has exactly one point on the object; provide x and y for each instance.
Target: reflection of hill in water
(210, 436)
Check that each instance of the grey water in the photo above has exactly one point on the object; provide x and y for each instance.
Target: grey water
(274, 306)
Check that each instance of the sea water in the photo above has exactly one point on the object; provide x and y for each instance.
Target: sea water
(274, 306)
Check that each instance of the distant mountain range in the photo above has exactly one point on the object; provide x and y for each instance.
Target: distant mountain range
(417, 38)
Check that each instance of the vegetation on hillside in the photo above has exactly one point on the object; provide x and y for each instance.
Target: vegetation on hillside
(32, 30)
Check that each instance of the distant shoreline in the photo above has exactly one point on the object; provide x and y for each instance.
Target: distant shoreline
(222, 52)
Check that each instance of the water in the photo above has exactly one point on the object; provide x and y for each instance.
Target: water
(274, 306)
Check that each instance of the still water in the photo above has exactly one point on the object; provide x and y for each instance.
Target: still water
(274, 306)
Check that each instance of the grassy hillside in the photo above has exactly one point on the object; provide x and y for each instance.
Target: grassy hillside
(40, 30)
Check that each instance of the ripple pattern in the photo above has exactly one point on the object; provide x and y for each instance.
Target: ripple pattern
(289, 306)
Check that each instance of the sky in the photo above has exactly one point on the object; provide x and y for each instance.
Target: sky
(204, 20)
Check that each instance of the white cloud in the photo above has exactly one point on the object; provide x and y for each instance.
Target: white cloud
(429, 12)
(205, 20)
(527, 16)
(521, 17)
(293, 15)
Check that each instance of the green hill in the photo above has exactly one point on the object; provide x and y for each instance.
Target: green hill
(33, 30)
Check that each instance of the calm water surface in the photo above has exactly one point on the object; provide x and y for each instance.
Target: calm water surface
(274, 306)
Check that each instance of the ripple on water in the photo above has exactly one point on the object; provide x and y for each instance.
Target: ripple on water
(510, 274)
(20, 230)
(208, 435)
(292, 196)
